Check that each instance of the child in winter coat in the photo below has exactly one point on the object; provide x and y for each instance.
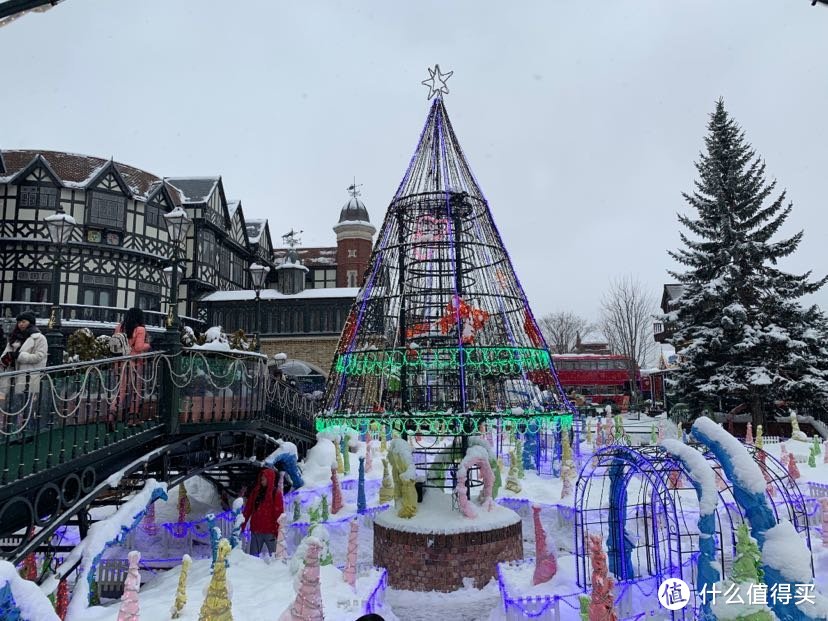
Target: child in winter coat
(262, 509)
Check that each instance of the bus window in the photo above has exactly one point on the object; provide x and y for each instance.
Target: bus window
(604, 365)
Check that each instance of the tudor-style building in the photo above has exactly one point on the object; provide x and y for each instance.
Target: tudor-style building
(311, 293)
(119, 247)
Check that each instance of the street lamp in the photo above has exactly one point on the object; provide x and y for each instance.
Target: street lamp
(178, 225)
(258, 274)
(59, 225)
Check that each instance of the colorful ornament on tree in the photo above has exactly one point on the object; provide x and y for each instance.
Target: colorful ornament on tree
(349, 574)
(546, 565)
(216, 605)
(130, 608)
(181, 591)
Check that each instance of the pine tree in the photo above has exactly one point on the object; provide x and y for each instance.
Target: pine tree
(216, 606)
(739, 327)
(746, 566)
(130, 608)
(181, 591)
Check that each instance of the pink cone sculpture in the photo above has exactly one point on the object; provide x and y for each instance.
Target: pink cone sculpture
(749, 435)
(602, 605)
(793, 469)
(824, 504)
(369, 457)
(308, 603)
(281, 547)
(336, 492)
(130, 608)
(349, 573)
(546, 565)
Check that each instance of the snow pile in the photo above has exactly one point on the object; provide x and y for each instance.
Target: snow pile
(316, 469)
(699, 470)
(284, 448)
(746, 470)
(32, 602)
(785, 551)
(101, 534)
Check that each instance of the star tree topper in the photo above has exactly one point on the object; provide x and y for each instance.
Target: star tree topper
(436, 83)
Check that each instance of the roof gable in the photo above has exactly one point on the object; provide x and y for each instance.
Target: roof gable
(194, 190)
(109, 178)
(37, 165)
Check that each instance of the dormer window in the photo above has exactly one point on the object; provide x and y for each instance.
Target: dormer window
(106, 210)
(37, 196)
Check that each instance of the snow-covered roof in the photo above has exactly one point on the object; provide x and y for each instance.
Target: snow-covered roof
(272, 294)
(194, 189)
(232, 206)
(353, 211)
(254, 229)
(310, 257)
(75, 170)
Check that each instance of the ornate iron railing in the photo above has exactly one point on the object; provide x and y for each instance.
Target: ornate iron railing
(50, 416)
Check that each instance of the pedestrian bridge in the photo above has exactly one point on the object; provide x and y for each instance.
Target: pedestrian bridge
(77, 436)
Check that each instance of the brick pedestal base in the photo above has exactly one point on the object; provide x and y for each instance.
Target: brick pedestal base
(429, 562)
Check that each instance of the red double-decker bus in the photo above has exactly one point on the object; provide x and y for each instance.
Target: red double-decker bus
(600, 379)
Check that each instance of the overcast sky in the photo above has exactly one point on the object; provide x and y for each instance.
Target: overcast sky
(581, 119)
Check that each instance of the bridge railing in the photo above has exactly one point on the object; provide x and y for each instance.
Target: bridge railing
(52, 415)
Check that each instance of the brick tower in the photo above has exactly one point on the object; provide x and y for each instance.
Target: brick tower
(354, 240)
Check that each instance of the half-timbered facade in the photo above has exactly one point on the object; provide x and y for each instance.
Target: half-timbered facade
(120, 245)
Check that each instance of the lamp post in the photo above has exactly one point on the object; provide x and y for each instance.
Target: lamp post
(258, 274)
(59, 225)
(178, 225)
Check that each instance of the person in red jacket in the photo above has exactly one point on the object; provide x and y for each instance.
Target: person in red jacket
(263, 507)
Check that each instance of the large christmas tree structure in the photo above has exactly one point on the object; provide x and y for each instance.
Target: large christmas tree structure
(441, 326)
(739, 327)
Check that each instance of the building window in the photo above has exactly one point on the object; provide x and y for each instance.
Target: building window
(32, 293)
(106, 210)
(352, 278)
(208, 248)
(151, 214)
(148, 301)
(97, 296)
(37, 196)
(323, 278)
(352, 253)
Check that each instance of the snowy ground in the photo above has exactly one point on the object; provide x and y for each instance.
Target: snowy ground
(262, 591)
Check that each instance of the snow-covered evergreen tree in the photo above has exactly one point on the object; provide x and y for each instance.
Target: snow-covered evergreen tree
(739, 327)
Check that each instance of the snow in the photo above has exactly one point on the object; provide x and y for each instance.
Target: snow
(101, 534)
(746, 469)
(261, 591)
(31, 601)
(436, 516)
(786, 551)
(699, 470)
(316, 468)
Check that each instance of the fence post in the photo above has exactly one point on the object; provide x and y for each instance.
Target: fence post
(170, 398)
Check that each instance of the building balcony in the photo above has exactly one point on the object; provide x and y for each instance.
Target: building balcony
(662, 331)
(100, 319)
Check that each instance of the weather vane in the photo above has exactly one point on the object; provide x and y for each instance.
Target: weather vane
(353, 189)
(436, 83)
(291, 239)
